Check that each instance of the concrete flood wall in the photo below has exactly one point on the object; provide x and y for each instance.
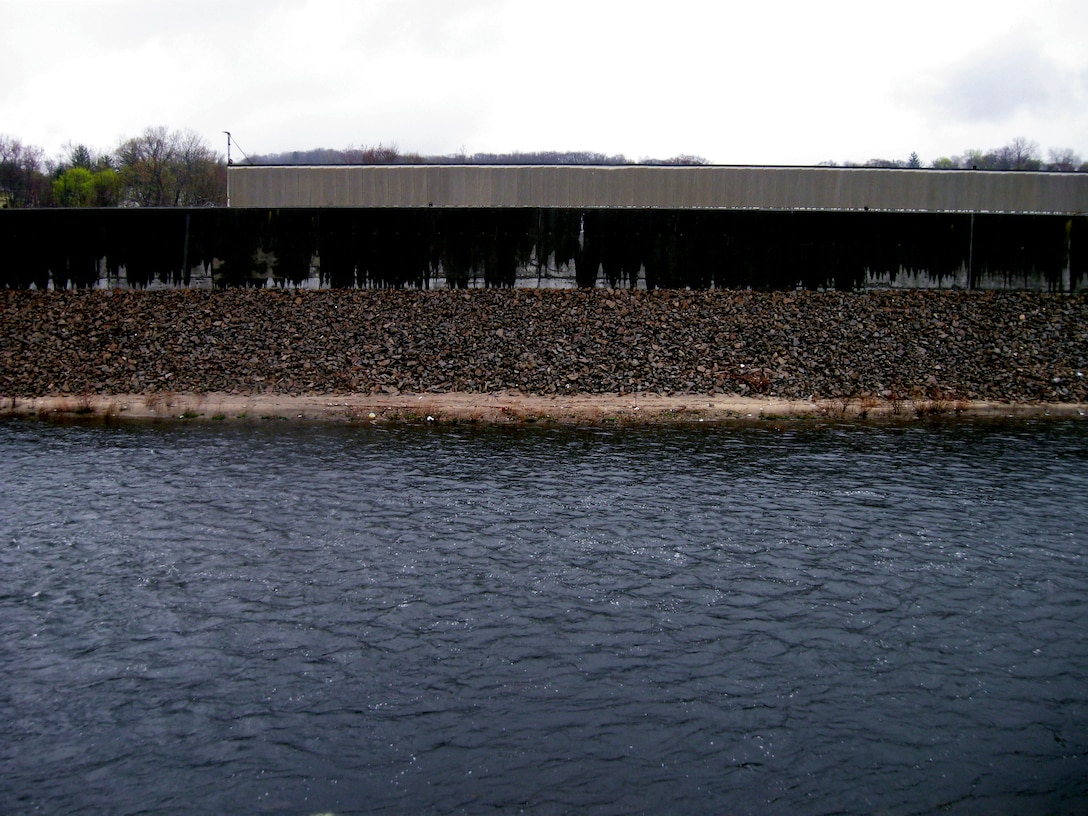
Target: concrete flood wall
(641, 187)
(540, 247)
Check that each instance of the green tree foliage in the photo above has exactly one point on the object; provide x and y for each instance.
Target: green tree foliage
(79, 187)
(107, 187)
(74, 188)
(85, 178)
(80, 156)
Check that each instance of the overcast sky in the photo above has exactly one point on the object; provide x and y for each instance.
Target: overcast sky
(734, 82)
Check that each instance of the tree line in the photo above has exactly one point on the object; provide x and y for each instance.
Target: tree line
(1018, 154)
(158, 168)
(177, 168)
(389, 154)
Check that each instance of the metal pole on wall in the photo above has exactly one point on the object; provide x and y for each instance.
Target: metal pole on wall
(228, 166)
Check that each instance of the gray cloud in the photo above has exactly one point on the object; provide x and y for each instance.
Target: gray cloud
(993, 86)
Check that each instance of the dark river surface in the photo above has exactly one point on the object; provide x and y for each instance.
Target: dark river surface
(279, 619)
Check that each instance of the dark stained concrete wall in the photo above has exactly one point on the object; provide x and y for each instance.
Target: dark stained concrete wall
(388, 247)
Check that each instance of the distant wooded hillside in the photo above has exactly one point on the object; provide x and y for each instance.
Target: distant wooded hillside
(390, 155)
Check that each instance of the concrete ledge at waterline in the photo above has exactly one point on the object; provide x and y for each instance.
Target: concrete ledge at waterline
(511, 408)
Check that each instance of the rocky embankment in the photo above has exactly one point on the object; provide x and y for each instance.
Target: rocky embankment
(969, 346)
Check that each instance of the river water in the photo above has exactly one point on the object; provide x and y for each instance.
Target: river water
(276, 619)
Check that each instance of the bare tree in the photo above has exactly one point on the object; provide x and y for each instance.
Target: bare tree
(1019, 154)
(146, 163)
(1064, 159)
(22, 181)
(200, 174)
(162, 168)
(682, 160)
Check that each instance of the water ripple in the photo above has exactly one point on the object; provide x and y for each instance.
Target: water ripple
(841, 620)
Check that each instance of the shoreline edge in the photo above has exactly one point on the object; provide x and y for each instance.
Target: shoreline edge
(513, 408)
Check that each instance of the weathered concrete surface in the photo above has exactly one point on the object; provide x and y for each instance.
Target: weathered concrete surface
(837, 189)
(504, 408)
